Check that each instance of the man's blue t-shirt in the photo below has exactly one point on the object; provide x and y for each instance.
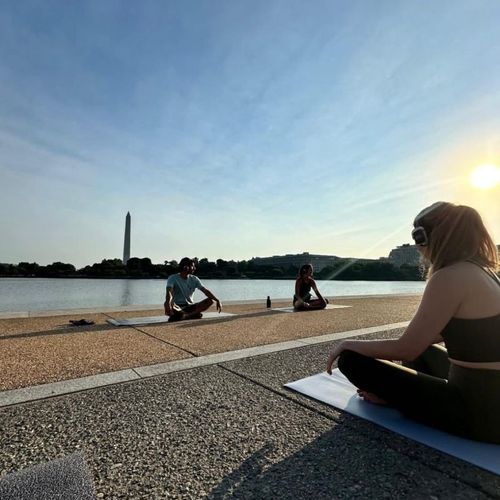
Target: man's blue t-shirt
(183, 289)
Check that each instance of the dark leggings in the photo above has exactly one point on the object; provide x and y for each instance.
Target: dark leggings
(420, 389)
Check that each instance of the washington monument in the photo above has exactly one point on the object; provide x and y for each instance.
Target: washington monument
(126, 243)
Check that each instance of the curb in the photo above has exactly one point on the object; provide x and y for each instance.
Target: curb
(44, 391)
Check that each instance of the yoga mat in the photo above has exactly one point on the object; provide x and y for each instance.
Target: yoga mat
(335, 390)
(66, 478)
(151, 320)
(291, 309)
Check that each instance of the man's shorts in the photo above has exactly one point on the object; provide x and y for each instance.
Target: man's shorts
(181, 310)
(186, 308)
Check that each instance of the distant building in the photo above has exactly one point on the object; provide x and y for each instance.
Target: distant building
(296, 260)
(404, 254)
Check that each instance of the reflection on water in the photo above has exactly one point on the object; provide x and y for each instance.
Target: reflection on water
(35, 294)
(126, 293)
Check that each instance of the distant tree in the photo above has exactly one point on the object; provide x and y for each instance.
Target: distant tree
(242, 266)
(277, 272)
(134, 267)
(107, 268)
(159, 271)
(140, 267)
(326, 273)
(113, 267)
(206, 268)
(57, 269)
(221, 264)
(28, 269)
(350, 271)
(344, 269)
(232, 272)
(85, 271)
(146, 263)
(8, 270)
(379, 271)
(133, 264)
(411, 273)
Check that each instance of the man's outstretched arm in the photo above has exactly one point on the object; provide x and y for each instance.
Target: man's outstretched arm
(210, 295)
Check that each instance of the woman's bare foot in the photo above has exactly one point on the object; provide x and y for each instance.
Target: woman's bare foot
(371, 398)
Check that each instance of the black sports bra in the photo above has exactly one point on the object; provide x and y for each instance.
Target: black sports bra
(474, 340)
(304, 291)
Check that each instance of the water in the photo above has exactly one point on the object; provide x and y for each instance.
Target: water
(38, 294)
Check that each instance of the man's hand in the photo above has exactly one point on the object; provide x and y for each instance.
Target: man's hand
(168, 311)
(218, 305)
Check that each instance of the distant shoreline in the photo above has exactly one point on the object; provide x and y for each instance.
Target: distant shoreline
(245, 278)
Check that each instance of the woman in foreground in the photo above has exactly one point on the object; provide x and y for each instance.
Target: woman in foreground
(302, 300)
(456, 389)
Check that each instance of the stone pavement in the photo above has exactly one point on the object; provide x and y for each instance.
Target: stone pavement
(228, 429)
(39, 350)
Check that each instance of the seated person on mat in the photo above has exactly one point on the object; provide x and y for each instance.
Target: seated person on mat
(179, 303)
(457, 388)
(302, 300)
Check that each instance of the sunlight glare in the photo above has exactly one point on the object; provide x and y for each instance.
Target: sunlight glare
(485, 176)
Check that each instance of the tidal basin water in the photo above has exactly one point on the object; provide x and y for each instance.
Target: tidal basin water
(38, 294)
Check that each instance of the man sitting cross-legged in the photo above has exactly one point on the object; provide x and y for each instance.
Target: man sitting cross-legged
(179, 303)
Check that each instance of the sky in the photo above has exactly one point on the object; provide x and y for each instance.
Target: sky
(240, 128)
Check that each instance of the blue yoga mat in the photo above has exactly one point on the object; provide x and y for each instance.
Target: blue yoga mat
(335, 390)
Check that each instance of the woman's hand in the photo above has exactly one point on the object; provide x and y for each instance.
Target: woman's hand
(334, 354)
(299, 303)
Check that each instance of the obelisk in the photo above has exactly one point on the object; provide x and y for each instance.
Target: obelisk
(126, 243)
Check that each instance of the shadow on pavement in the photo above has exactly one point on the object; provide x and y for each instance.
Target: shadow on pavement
(60, 331)
(341, 464)
(202, 322)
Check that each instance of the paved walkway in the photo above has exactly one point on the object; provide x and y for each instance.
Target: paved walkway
(40, 350)
(222, 430)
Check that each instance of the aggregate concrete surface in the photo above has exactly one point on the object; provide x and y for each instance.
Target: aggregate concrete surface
(218, 431)
(231, 430)
(40, 350)
(51, 351)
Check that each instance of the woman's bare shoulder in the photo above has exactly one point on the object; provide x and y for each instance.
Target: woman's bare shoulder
(458, 269)
(451, 279)
(464, 276)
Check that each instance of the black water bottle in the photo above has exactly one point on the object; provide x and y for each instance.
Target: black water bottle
(268, 302)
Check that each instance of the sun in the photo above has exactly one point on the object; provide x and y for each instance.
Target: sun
(485, 176)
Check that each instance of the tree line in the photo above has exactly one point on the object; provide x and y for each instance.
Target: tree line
(344, 269)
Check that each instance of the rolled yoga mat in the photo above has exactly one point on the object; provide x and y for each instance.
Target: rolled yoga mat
(66, 478)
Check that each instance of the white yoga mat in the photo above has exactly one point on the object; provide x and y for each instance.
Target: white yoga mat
(152, 320)
(337, 391)
(291, 309)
